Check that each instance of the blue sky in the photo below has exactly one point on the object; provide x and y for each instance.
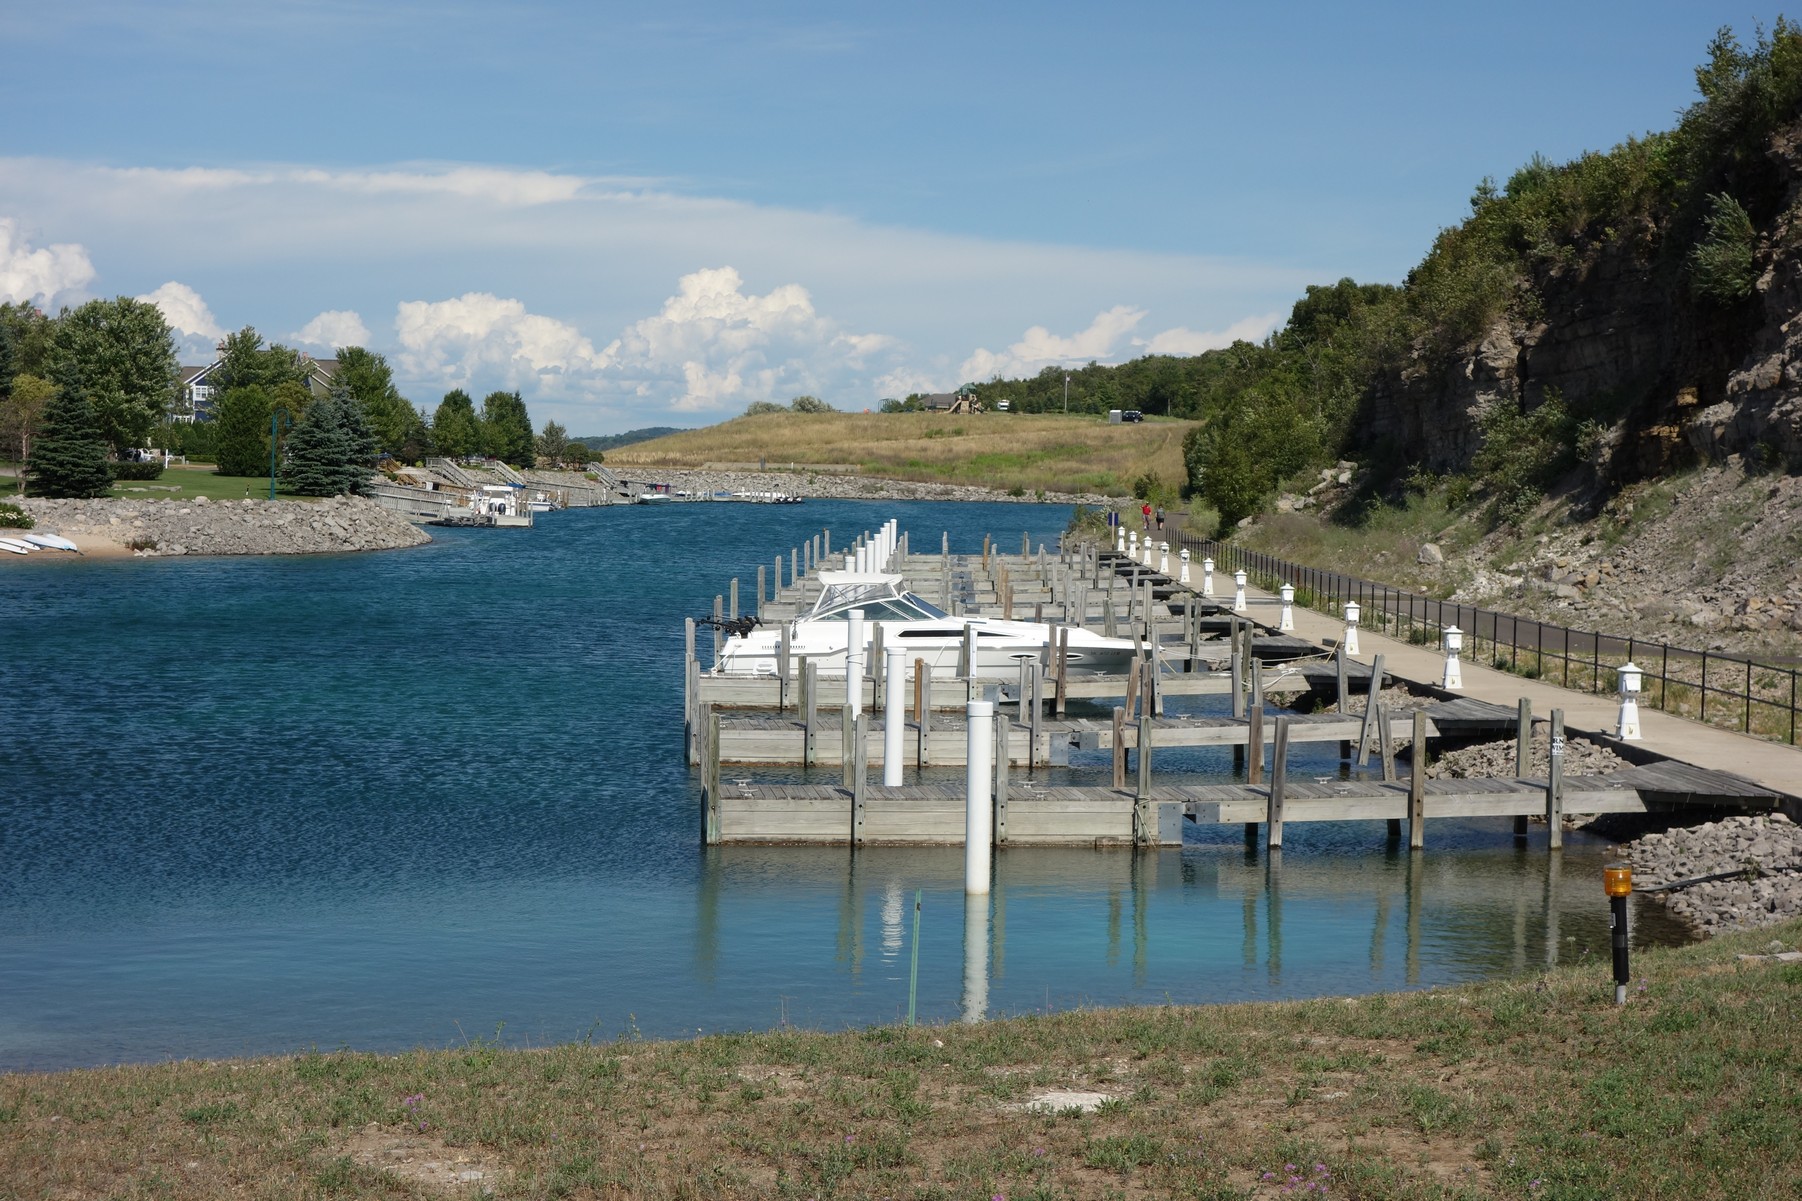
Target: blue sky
(656, 214)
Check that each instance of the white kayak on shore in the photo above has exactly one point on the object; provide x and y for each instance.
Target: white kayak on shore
(16, 546)
(52, 542)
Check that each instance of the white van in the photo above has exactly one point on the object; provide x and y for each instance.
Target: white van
(1001, 406)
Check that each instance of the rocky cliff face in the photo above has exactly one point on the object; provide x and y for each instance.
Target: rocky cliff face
(1615, 330)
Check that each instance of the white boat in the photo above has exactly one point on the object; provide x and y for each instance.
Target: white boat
(16, 546)
(52, 542)
(656, 498)
(922, 628)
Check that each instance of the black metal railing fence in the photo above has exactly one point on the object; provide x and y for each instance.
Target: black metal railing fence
(1711, 686)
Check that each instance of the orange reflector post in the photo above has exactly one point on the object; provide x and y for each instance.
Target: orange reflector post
(1617, 880)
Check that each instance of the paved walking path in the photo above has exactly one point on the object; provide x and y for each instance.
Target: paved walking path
(1774, 765)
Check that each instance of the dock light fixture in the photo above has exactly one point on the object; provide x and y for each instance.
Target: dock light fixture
(1453, 639)
(1351, 627)
(1120, 538)
(1132, 543)
(1164, 557)
(1239, 591)
(1628, 728)
(1184, 579)
(1286, 620)
(1207, 577)
(1617, 882)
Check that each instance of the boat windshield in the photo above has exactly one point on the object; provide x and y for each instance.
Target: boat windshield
(879, 602)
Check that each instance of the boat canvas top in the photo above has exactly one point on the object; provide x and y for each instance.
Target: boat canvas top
(878, 593)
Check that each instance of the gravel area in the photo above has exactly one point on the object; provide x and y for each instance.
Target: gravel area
(1764, 851)
(1497, 758)
(231, 527)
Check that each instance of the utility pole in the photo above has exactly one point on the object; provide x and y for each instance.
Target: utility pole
(1066, 393)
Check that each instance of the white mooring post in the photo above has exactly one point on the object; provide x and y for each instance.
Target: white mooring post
(1164, 557)
(1239, 591)
(854, 661)
(1286, 620)
(1147, 559)
(1351, 628)
(1132, 545)
(1628, 729)
(1454, 642)
(894, 714)
(1184, 578)
(1120, 538)
(978, 828)
(1207, 577)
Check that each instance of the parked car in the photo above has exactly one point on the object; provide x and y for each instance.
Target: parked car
(1132, 415)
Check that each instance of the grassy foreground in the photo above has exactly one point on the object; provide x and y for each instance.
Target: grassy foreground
(1029, 451)
(1533, 1087)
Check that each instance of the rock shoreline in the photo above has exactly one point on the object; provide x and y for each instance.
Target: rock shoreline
(1766, 850)
(199, 526)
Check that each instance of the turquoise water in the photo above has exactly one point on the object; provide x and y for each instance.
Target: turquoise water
(385, 800)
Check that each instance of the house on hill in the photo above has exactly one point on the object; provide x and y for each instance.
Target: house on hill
(196, 393)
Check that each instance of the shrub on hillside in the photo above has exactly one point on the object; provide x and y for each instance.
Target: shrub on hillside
(12, 517)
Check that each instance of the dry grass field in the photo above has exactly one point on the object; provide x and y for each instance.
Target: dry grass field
(1027, 451)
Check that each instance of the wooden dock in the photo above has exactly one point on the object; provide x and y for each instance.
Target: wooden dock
(804, 719)
(1071, 816)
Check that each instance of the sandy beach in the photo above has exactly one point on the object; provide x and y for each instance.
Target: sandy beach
(91, 548)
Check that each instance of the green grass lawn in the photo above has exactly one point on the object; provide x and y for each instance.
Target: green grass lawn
(1532, 1087)
(186, 483)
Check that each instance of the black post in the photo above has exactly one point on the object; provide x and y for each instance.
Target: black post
(1618, 920)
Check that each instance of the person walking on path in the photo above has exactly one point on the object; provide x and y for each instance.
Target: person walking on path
(1145, 516)
(1160, 519)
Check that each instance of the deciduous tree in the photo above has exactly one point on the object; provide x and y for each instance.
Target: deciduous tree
(22, 413)
(507, 429)
(120, 356)
(456, 431)
(241, 430)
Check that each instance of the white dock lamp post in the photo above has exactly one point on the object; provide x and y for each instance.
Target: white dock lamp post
(1351, 627)
(1207, 577)
(1184, 579)
(894, 713)
(1164, 557)
(1239, 591)
(1147, 559)
(1132, 544)
(1286, 620)
(979, 770)
(1120, 538)
(1631, 677)
(854, 661)
(1453, 639)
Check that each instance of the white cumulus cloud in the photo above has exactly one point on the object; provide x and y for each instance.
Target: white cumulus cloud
(333, 328)
(1039, 348)
(40, 275)
(185, 311)
(1192, 341)
(480, 335)
(720, 346)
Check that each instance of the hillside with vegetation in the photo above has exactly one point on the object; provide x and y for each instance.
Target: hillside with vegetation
(1588, 325)
(1012, 452)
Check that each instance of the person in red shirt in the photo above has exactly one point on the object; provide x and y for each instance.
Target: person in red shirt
(1145, 516)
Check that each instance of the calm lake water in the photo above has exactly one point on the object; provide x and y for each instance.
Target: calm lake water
(386, 800)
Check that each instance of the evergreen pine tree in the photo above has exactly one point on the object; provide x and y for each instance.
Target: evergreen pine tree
(331, 450)
(69, 457)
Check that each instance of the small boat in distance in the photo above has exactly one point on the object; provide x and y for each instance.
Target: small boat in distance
(922, 628)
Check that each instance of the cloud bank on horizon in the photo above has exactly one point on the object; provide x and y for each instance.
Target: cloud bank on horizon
(606, 302)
